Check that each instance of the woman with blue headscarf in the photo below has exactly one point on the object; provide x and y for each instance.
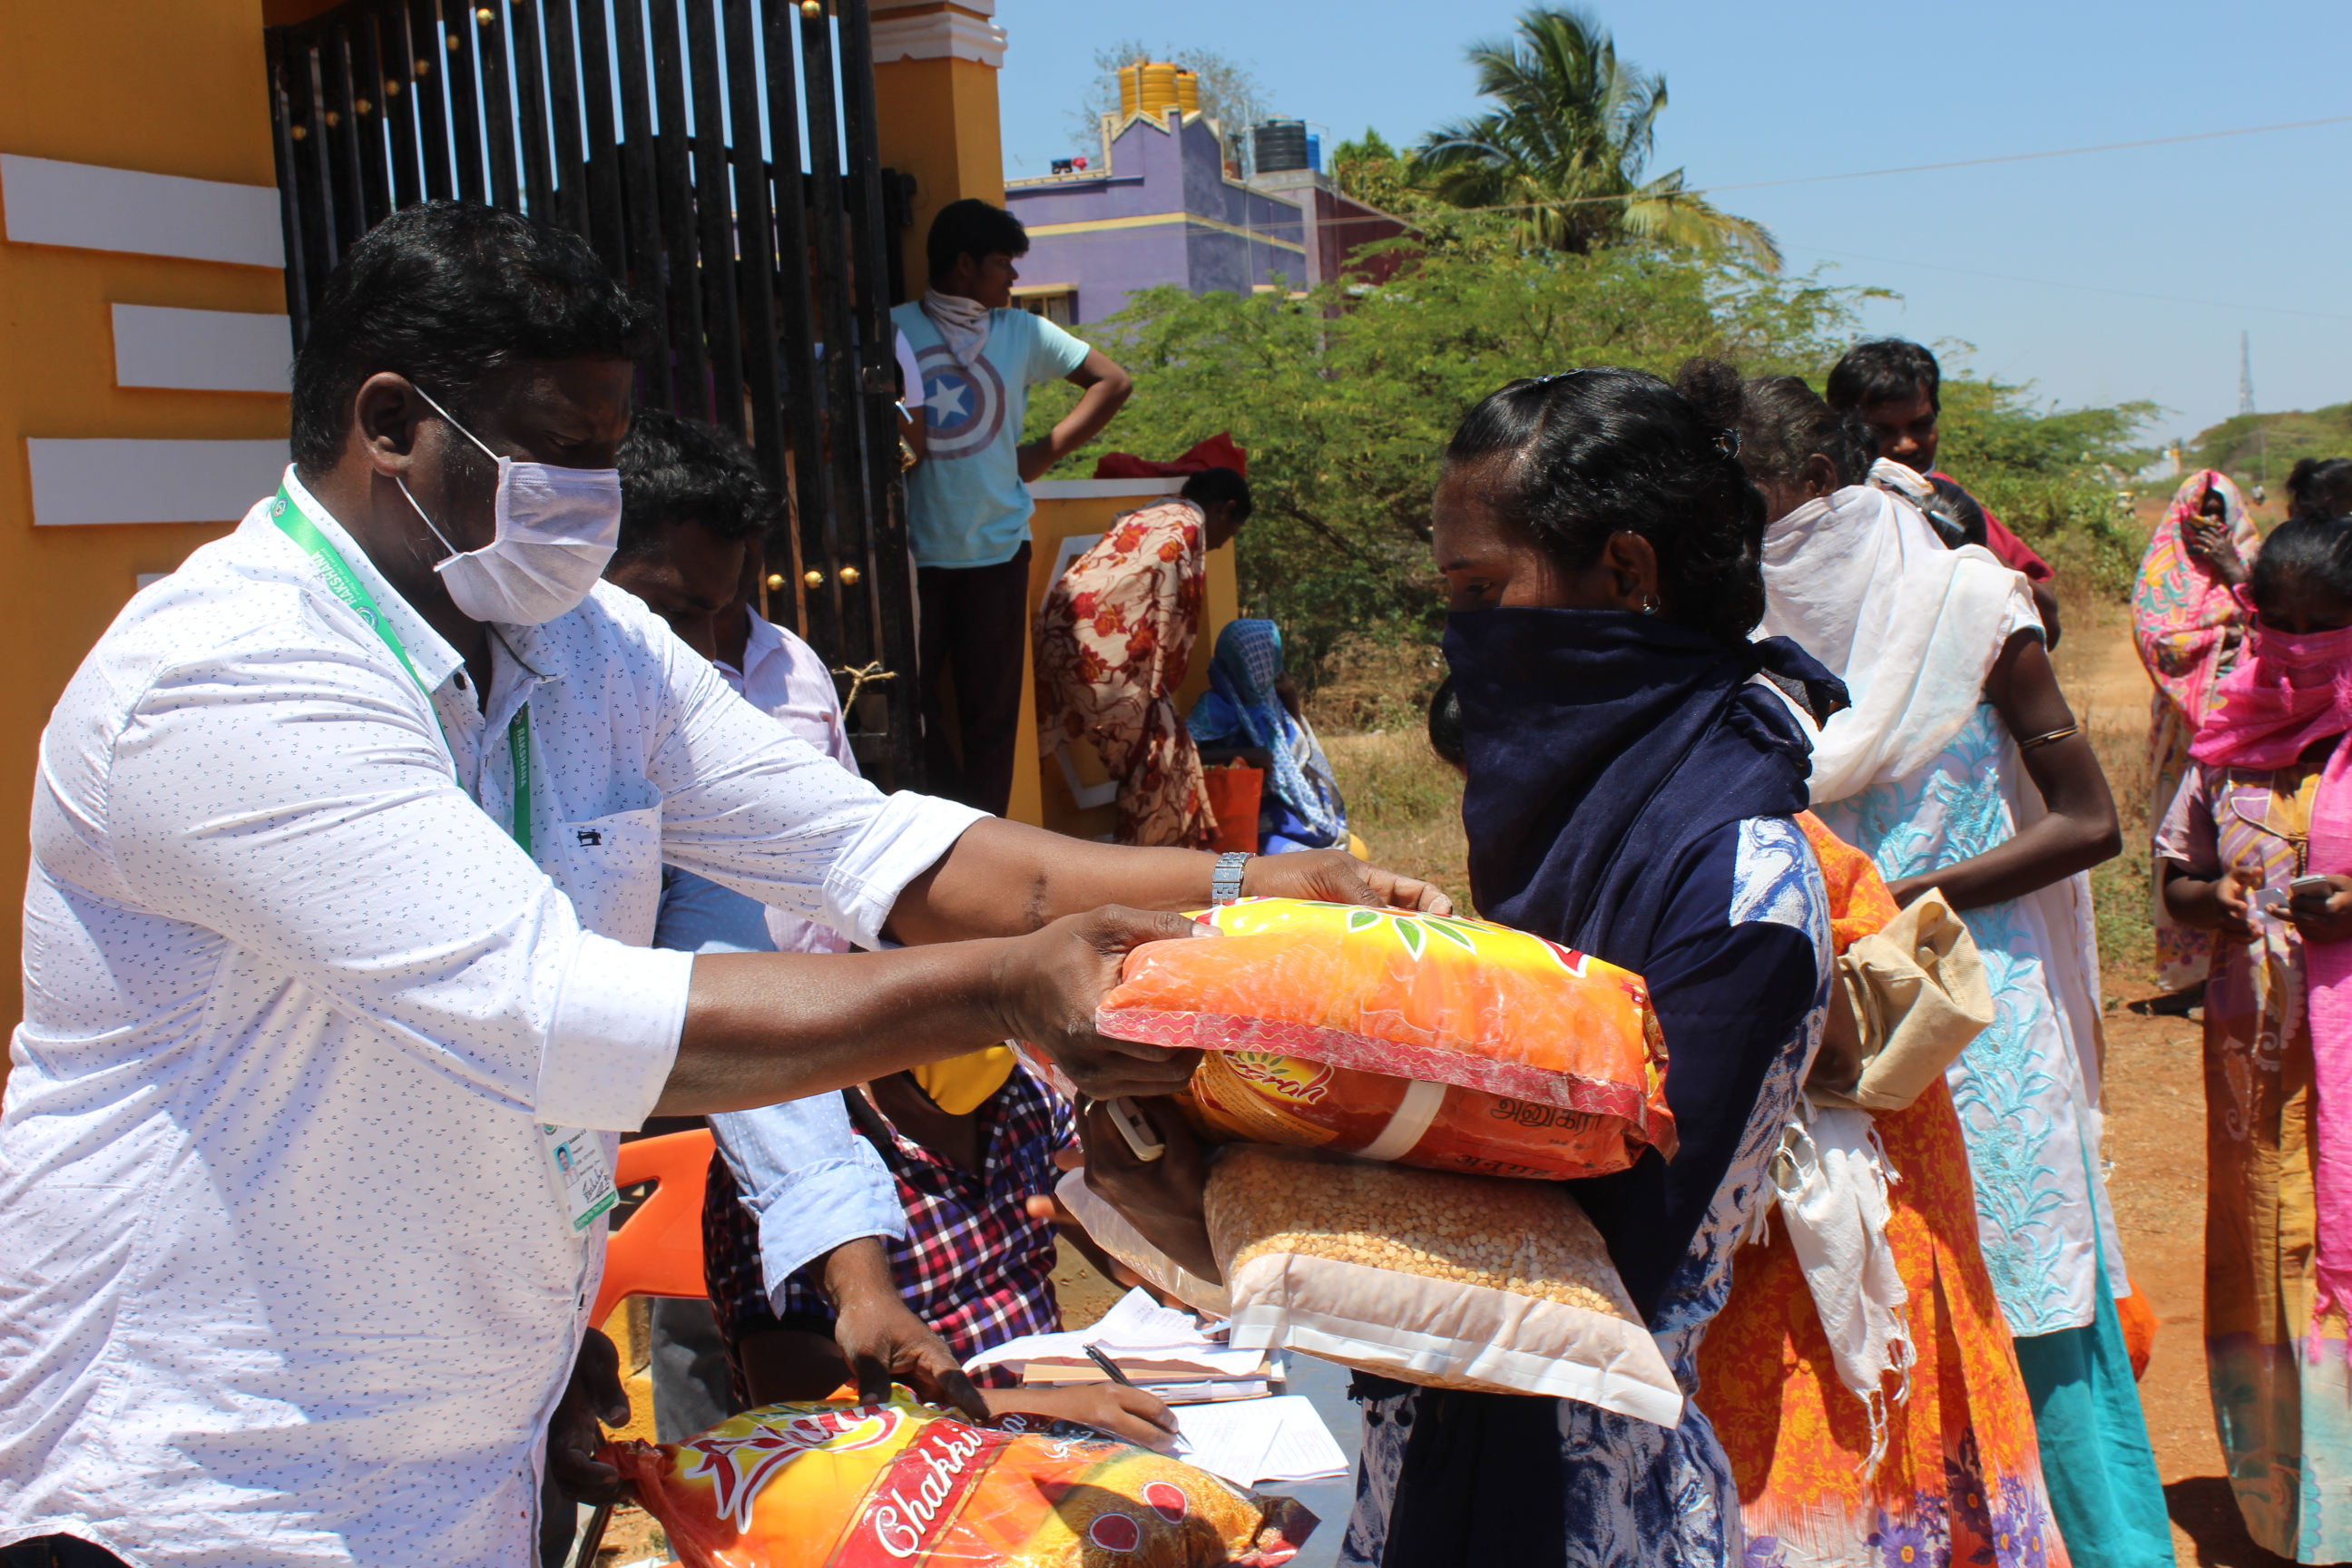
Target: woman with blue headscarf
(1250, 705)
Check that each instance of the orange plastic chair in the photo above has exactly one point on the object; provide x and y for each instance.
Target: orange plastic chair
(659, 1251)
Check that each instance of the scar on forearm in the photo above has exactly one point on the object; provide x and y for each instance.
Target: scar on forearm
(1036, 909)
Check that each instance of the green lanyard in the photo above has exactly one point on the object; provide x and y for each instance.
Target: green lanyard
(288, 515)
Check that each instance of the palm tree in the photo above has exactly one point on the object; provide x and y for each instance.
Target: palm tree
(1566, 145)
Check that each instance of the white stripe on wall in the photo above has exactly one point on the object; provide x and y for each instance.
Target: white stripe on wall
(202, 351)
(1102, 490)
(151, 481)
(94, 208)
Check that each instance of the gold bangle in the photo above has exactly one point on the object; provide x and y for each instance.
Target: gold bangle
(2053, 737)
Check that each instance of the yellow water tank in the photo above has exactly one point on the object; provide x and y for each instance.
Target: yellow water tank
(1155, 87)
(1159, 88)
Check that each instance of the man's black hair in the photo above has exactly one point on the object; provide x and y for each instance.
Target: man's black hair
(675, 470)
(972, 227)
(446, 293)
(1211, 486)
(1879, 370)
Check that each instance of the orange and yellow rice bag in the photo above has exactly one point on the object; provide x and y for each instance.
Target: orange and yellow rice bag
(903, 1485)
(1450, 1044)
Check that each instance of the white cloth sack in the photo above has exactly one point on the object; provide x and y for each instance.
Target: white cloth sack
(1861, 582)
(1422, 1328)
(1831, 1176)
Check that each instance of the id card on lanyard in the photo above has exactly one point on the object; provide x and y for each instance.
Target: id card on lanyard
(575, 1157)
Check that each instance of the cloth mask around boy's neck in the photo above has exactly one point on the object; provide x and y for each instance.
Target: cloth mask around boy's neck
(960, 1085)
(963, 325)
(556, 531)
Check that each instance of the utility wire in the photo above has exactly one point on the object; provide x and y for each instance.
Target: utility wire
(1924, 168)
(2054, 283)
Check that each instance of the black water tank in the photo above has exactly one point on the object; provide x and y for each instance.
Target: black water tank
(1279, 145)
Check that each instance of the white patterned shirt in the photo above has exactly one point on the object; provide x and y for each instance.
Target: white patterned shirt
(284, 1275)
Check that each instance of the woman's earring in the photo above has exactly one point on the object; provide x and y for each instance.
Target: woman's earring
(1649, 606)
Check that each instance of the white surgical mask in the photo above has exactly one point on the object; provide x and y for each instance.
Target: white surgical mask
(556, 531)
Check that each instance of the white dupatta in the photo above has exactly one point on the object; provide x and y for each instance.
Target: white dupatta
(1858, 579)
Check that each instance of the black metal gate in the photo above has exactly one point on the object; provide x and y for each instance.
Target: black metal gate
(719, 154)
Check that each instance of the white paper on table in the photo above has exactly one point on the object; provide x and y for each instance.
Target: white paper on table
(1253, 1440)
(1138, 1319)
(1144, 1337)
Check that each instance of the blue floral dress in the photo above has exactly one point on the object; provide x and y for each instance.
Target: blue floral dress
(2027, 1090)
(1740, 975)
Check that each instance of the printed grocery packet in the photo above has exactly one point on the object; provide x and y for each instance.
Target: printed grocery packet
(905, 1485)
(1450, 1044)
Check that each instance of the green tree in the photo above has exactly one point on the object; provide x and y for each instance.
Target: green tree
(1344, 398)
(1377, 175)
(1565, 147)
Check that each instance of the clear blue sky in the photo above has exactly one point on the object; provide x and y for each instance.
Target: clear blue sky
(1823, 87)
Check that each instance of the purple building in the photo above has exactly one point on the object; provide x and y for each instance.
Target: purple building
(1168, 206)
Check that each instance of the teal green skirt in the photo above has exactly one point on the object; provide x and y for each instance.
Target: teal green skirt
(2095, 1457)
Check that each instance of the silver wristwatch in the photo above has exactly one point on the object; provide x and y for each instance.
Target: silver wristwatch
(1226, 881)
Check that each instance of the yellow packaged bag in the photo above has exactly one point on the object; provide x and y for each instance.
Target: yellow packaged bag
(904, 1485)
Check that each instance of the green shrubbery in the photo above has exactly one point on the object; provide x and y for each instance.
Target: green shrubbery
(1344, 398)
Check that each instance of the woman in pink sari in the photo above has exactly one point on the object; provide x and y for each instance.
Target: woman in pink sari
(2257, 850)
(2188, 626)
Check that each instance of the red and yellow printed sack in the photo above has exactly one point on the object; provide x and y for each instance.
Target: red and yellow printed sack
(903, 1485)
(1455, 1045)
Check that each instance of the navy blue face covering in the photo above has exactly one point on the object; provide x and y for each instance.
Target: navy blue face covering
(1600, 743)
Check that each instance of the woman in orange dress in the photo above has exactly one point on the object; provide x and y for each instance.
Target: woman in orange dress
(1943, 1466)
(1960, 1478)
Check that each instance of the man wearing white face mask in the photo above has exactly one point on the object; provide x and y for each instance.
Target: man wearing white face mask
(346, 852)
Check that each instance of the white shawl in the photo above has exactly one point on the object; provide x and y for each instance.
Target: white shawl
(1830, 1178)
(1861, 582)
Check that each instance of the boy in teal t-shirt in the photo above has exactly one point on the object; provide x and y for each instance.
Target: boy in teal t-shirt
(968, 501)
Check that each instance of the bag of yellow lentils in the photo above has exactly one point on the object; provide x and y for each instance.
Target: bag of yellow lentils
(1450, 1281)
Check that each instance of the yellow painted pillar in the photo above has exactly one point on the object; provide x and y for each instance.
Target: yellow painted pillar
(935, 65)
(173, 95)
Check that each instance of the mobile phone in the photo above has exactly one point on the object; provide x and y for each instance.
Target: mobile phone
(2322, 886)
(2271, 901)
(1134, 1129)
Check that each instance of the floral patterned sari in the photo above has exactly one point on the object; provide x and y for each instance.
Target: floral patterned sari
(1114, 642)
(2185, 624)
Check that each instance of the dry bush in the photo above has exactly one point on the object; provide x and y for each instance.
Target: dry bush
(2108, 692)
(1371, 681)
(1405, 806)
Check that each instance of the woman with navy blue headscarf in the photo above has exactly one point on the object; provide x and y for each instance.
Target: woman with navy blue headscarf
(1250, 704)
(1634, 767)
